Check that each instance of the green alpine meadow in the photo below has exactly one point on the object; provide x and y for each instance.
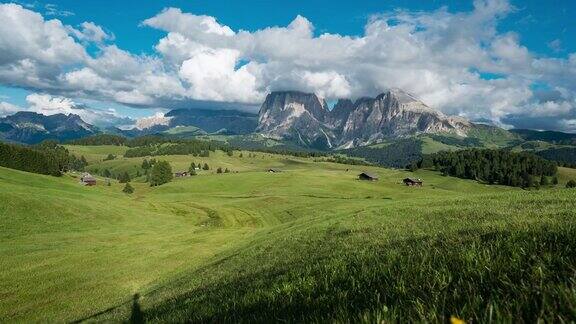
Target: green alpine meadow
(317, 161)
(281, 238)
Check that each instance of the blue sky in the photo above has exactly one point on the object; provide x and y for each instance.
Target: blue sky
(528, 55)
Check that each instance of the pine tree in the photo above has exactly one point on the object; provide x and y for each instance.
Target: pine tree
(555, 180)
(145, 165)
(544, 180)
(161, 173)
(192, 168)
(205, 167)
(219, 170)
(226, 170)
(124, 177)
(128, 188)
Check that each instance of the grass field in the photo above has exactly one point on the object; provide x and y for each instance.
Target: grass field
(310, 243)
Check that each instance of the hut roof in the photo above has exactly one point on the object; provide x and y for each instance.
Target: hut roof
(87, 177)
(413, 180)
(369, 175)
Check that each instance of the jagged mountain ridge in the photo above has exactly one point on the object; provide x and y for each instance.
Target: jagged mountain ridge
(31, 128)
(305, 117)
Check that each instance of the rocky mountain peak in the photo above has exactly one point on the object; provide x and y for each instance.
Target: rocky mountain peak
(304, 117)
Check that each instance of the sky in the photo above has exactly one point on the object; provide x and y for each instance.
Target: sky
(511, 63)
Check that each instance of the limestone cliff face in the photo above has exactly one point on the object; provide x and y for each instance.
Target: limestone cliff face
(296, 116)
(304, 117)
(394, 114)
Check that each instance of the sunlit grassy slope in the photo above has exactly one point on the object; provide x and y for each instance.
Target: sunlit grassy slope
(308, 243)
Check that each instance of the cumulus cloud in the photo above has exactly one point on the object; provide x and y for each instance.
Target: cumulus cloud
(457, 62)
(7, 108)
(46, 104)
(38, 52)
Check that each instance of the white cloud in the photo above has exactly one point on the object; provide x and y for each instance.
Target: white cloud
(49, 105)
(7, 108)
(92, 33)
(53, 10)
(189, 25)
(212, 75)
(38, 52)
(555, 45)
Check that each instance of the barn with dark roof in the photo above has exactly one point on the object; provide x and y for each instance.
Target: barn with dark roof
(368, 176)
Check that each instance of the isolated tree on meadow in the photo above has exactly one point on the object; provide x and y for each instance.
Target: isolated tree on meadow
(226, 170)
(161, 173)
(128, 188)
(124, 177)
(192, 168)
(205, 167)
(219, 170)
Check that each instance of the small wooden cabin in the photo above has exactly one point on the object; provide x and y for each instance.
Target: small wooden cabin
(273, 171)
(87, 180)
(368, 176)
(181, 174)
(412, 182)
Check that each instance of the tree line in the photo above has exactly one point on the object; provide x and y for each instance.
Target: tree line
(397, 155)
(45, 158)
(565, 156)
(492, 166)
(196, 148)
(100, 139)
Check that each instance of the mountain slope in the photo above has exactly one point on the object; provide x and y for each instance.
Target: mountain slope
(212, 121)
(30, 127)
(296, 116)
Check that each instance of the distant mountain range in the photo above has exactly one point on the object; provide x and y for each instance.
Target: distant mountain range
(390, 129)
(30, 127)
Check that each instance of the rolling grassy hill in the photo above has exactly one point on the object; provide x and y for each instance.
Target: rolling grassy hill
(310, 243)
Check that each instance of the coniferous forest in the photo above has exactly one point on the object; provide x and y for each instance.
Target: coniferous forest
(492, 166)
(45, 158)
